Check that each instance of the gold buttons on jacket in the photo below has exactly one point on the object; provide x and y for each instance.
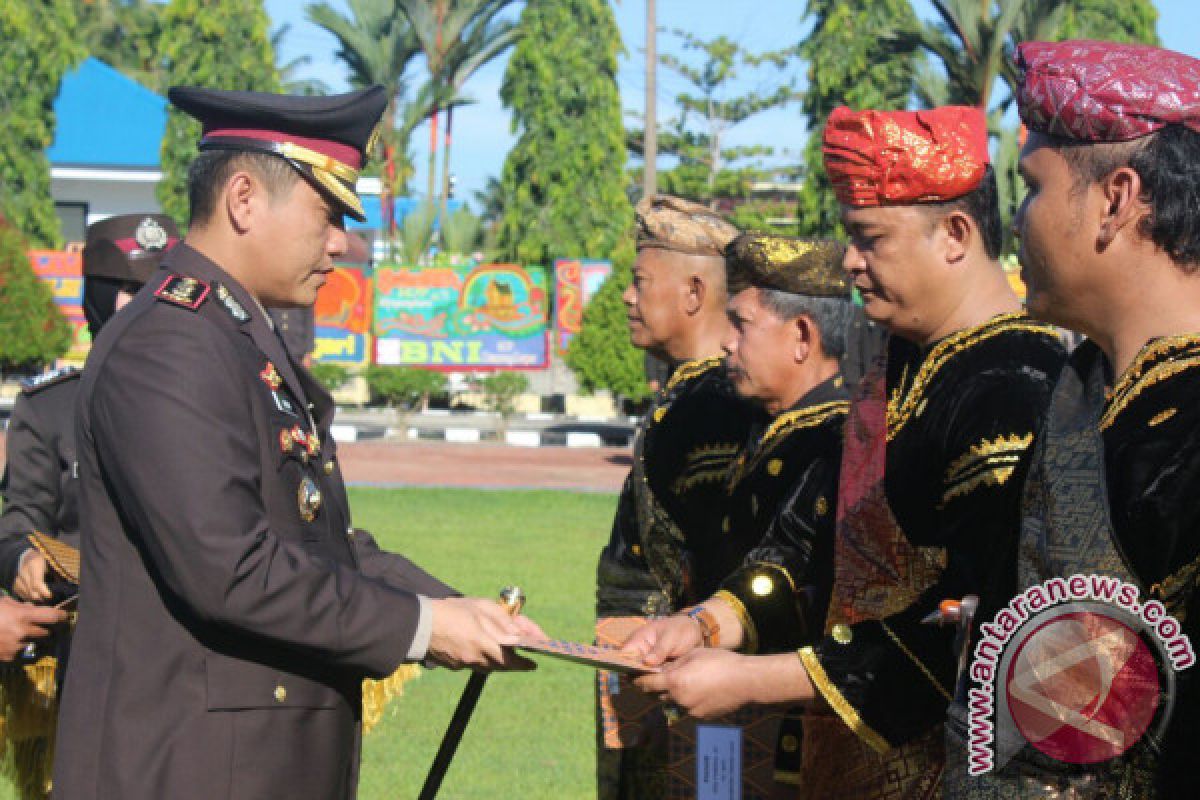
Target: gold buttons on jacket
(762, 585)
(329, 467)
(774, 467)
(280, 693)
(841, 634)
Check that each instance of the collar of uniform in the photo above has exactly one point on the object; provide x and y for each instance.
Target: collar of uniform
(187, 260)
(830, 390)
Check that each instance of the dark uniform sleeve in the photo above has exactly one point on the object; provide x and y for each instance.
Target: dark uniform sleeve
(190, 490)
(890, 680)
(394, 569)
(30, 487)
(782, 588)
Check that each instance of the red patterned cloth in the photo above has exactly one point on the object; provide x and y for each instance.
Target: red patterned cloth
(877, 158)
(1104, 91)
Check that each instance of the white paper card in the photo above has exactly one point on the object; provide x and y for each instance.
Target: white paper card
(718, 762)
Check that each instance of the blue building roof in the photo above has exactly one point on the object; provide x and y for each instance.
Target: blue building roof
(106, 120)
(373, 210)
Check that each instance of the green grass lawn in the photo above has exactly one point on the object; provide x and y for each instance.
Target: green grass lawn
(532, 733)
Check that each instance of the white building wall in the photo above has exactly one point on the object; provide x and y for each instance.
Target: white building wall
(106, 192)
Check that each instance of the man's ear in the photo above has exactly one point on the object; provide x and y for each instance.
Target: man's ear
(957, 229)
(697, 290)
(1123, 208)
(243, 196)
(805, 338)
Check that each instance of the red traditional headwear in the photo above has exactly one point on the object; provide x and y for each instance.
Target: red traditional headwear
(877, 158)
(1106, 92)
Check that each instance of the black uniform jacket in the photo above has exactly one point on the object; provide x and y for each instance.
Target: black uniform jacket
(962, 414)
(672, 503)
(1150, 427)
(40, 484)
(780, 522)
(227, 618)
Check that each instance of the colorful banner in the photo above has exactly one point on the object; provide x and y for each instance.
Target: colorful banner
(491, 316)
(575, 284)
(342, 316)
(64, 273)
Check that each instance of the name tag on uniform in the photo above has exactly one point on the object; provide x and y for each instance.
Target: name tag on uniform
(718, 762)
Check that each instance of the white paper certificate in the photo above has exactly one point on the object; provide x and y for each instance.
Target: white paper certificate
(718, 762)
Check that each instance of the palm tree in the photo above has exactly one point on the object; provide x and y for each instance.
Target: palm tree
(289, 80)
(377, 45)
(451, 34)
(973, 40)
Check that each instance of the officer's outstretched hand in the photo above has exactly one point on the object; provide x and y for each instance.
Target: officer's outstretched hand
(21, 623)
(30, 583)
(478, 633)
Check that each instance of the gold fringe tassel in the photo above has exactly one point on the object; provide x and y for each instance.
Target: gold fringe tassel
(376, 694)
(28, 697)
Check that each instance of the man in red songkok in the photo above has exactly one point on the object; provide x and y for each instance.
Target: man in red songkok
(936, 447)
(1110, 245)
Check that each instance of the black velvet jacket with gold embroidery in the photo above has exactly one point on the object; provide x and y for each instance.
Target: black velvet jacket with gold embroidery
(673, 501)
(1151, 432)
(777, 537)
(961, 417)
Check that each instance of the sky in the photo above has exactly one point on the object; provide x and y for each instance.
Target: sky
(482, 132)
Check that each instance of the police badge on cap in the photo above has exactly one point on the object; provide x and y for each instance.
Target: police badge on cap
(150, 235)
(128, 247)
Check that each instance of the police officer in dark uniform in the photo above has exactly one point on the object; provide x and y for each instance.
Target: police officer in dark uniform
(39, 487)
(229, 612)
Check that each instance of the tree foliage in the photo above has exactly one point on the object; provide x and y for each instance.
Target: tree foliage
(601, 355)
(404, 387)
(38, 48)
(563, 181)
(32, 331)
(126, 35)
(707, 169)
(458, 37)
(849, 64)
(218, 44)
(501, 389)
(1111, 20)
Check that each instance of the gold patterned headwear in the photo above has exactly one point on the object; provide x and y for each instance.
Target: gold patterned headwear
(672, 223)
(810, 267)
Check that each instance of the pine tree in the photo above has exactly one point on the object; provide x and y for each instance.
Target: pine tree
(32, 330)
(218, 44)
(850, 63)
(38, 49)
(564, 182)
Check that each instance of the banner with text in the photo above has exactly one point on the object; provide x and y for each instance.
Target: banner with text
(491, 316)
(342, 317)
(64, 273)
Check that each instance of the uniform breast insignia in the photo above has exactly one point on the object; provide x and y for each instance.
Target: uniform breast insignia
(308, 499)
(47, 379)
(286, 441)
(185, 292)
(270, 376)
(231, 304)
(310, 443)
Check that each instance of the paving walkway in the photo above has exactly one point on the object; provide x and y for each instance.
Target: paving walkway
(486, 466)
